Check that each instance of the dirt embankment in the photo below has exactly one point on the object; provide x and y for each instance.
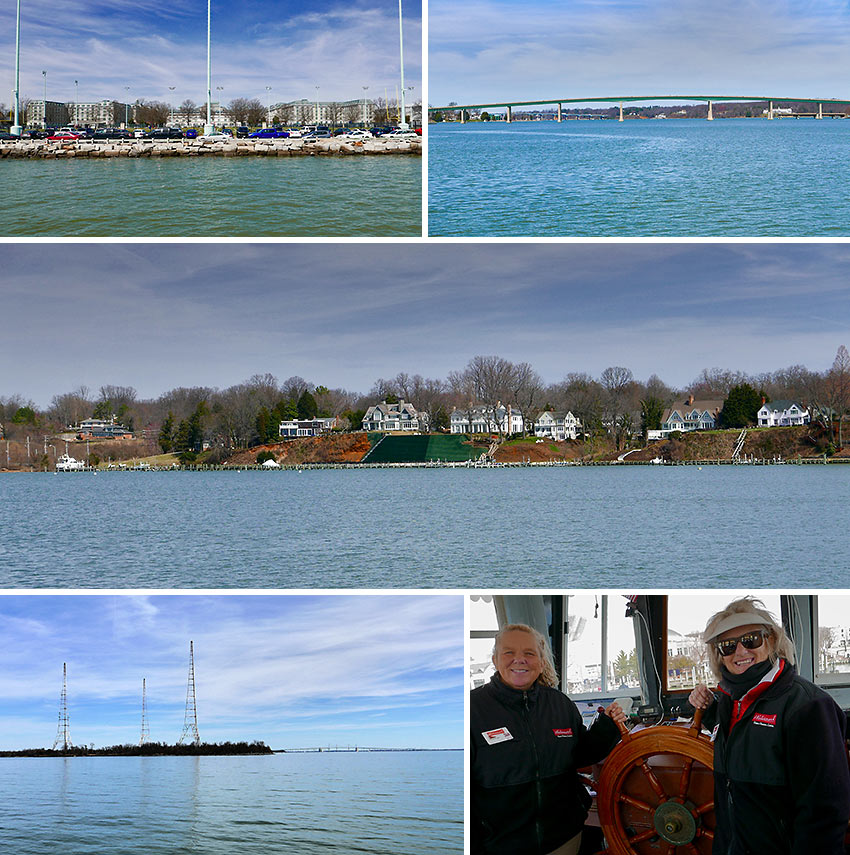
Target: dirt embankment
(335, 448)
(760, 443)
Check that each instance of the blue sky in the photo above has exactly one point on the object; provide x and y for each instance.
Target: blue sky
(161, 316)
(150, 45)
(294, 671)
(484, 50)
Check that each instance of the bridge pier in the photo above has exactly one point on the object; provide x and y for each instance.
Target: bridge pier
(508, 114)
(710, 116)
(559, 112)
(820, 111)
(463, 117)
(621, 112)
(770, 109)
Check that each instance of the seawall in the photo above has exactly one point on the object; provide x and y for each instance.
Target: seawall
(58, 149)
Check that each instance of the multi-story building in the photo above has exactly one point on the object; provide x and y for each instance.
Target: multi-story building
(99, 114)
(292, 428)
(781, 413)
(401, 416)
(304, 112)
(480, 419)
(558, 426)
(46, 113)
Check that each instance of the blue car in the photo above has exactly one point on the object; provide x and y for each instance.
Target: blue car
(268, 133)
(191, 134)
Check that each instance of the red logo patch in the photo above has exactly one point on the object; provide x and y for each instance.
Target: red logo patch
(562, 731)
(764, 720)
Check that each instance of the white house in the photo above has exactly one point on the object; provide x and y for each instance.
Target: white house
(689, 415)
(781, 413)
(559, 426)
(481, 419)
(291, 428)
(402, 416)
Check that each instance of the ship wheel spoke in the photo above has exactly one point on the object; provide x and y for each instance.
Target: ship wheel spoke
(631, 800)
(644, 835)
(703, 809)
(653, 781)
(705, 832)
(685, 780)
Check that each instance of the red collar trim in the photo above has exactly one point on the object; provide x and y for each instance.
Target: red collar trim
(739, 708)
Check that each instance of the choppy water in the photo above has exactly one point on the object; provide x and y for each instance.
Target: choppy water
(641, 526)
(195, 197)
(685, 177)
(293, 804)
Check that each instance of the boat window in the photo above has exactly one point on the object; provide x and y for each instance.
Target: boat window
(832, 665)
(686, 655)
(483, 628)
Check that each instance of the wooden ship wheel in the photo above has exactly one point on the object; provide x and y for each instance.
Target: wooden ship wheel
(655, 793)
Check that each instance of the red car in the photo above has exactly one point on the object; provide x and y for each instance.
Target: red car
(64, 134)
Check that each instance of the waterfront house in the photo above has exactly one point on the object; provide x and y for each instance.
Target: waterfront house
(689, 415)
(400, 416)
(555, 425)
(477, 418)
(102, 428)
(781, 413)
(292, 428)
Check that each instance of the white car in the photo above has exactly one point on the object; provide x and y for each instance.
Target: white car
(401, 135)
(357, 134)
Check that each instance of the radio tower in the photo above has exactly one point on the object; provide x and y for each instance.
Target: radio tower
(63, 731)
(146, 734)
(190, 719)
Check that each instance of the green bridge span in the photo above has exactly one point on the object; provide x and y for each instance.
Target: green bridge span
(627, 99)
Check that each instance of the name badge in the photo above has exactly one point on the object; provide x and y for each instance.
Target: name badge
(561, 732)
(764, 720)
(500, 734)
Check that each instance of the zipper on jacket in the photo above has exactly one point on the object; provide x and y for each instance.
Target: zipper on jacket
(538, 787)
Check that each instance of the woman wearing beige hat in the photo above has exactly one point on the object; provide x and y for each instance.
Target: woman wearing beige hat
(781, 779)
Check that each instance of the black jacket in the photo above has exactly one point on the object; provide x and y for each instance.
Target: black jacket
(526, 797)
(781, 780)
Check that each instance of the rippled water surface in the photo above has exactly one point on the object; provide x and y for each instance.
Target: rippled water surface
(687, 177)
(712, 526)
(294, 804)
(187, 197)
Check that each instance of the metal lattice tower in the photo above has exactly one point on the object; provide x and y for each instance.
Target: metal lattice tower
(146, 733)
(190, 719)
(63, 731)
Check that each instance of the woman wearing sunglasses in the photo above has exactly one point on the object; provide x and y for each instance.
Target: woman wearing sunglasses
(781, 779)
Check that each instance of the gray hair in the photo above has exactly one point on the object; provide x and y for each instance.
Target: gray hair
(548, 676)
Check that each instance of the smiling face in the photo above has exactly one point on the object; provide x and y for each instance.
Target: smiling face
(518, 660)
(742, 659)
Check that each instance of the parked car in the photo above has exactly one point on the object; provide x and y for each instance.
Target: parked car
(357, 134)
(167, 134)
(64, 134)
(401, 135)
(5, 135)
(316, 135)
(268, 133)
(242, 131)
(380, 130)
(191, 134)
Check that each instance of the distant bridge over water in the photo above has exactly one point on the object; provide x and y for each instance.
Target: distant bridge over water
(710, 100)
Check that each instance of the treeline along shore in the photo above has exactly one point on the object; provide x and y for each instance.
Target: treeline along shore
(58, 149)
(148, 749)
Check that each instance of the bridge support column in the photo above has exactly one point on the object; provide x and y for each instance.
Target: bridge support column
(710, 116)
(463, 117)
(770, 109)
(621, 112)
(559, 112)
(508, 117)
(820, 111)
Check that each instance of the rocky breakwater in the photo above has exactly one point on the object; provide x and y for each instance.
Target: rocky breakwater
(228, 147)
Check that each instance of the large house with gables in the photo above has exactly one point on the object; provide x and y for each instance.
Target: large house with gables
(780, 413)
(480, 419)
(688, 415)
(401, 416)
(559, 426)
(292, 428)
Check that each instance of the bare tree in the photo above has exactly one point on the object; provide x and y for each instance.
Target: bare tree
(255, 113)
(353, 113)
(334, 109)
(838, 380)
(238, 110)
(582, 396)
(72, 407)
(526, 393)
(155, 114)
(491, 378)
(618, 382)
(187, 109)
(284, 113)
(716, 383)
(305, 113)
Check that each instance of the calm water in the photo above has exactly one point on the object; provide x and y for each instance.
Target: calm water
(686, 177)
(188, 197)
(297, 804)
(716, 526)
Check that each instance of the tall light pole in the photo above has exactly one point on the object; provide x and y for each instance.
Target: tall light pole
(317, 106)
(73, 118)
(171, 105)
(126, 108)
(16, 129)
(208, 127)
(268, 106)
(44, 75)
(403, 124)
(365, 120)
